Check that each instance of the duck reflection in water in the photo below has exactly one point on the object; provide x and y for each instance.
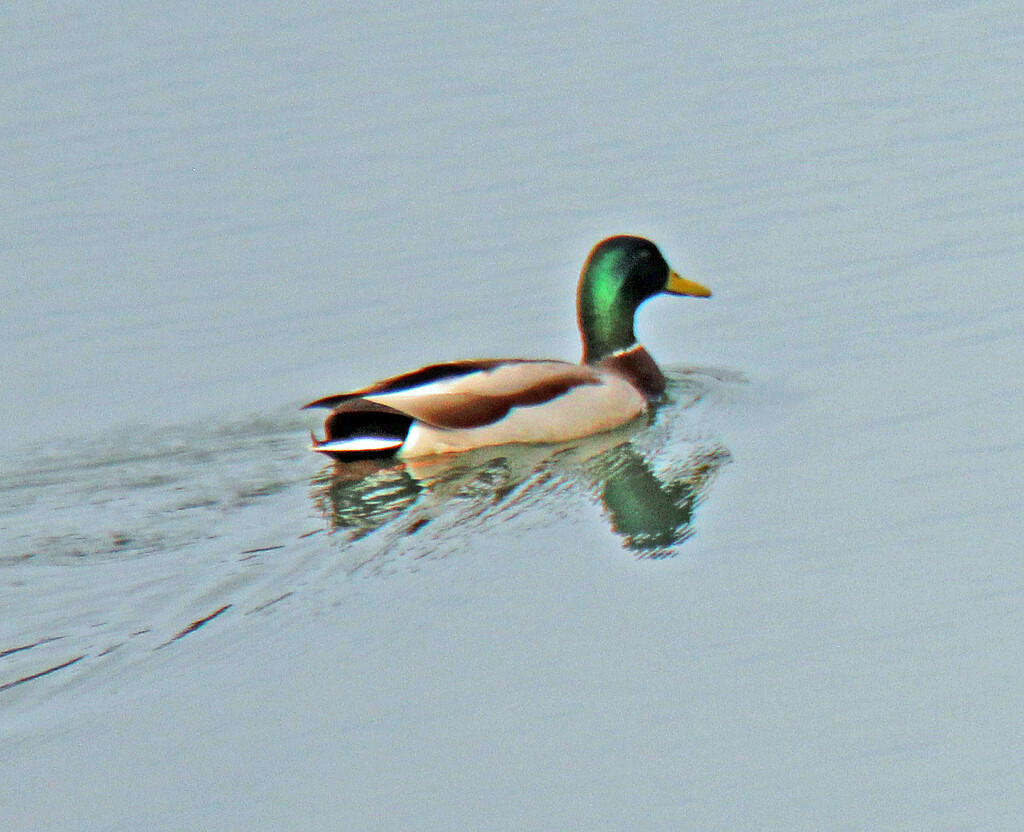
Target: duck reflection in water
(651, 509)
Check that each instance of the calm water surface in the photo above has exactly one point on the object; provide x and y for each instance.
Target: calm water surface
(793, 601)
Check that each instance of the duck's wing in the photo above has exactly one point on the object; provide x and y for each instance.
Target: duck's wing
(411, 381)
(466, 394)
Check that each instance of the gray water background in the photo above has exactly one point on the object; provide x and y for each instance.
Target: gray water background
(211, 214)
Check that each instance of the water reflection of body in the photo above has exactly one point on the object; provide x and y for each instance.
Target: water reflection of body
(651, 510)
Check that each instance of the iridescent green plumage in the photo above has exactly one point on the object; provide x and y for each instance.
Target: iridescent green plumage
(620, 274)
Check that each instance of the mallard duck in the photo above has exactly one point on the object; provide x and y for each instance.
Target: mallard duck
(446, 408)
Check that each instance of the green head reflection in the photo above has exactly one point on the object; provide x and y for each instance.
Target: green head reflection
(653, 513)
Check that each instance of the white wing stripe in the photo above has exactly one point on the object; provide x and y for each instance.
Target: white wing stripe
(359, 443)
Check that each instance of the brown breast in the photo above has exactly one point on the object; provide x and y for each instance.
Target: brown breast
(637, 366)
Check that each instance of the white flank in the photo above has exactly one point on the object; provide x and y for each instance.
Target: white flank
(583, 411)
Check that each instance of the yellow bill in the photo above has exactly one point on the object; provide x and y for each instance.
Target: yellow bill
(677, 285)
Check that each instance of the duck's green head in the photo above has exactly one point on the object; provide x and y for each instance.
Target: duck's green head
(619, 275)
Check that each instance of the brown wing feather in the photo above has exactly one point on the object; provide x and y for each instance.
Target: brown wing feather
(417, 378)
(456, 411)
(479, 398)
